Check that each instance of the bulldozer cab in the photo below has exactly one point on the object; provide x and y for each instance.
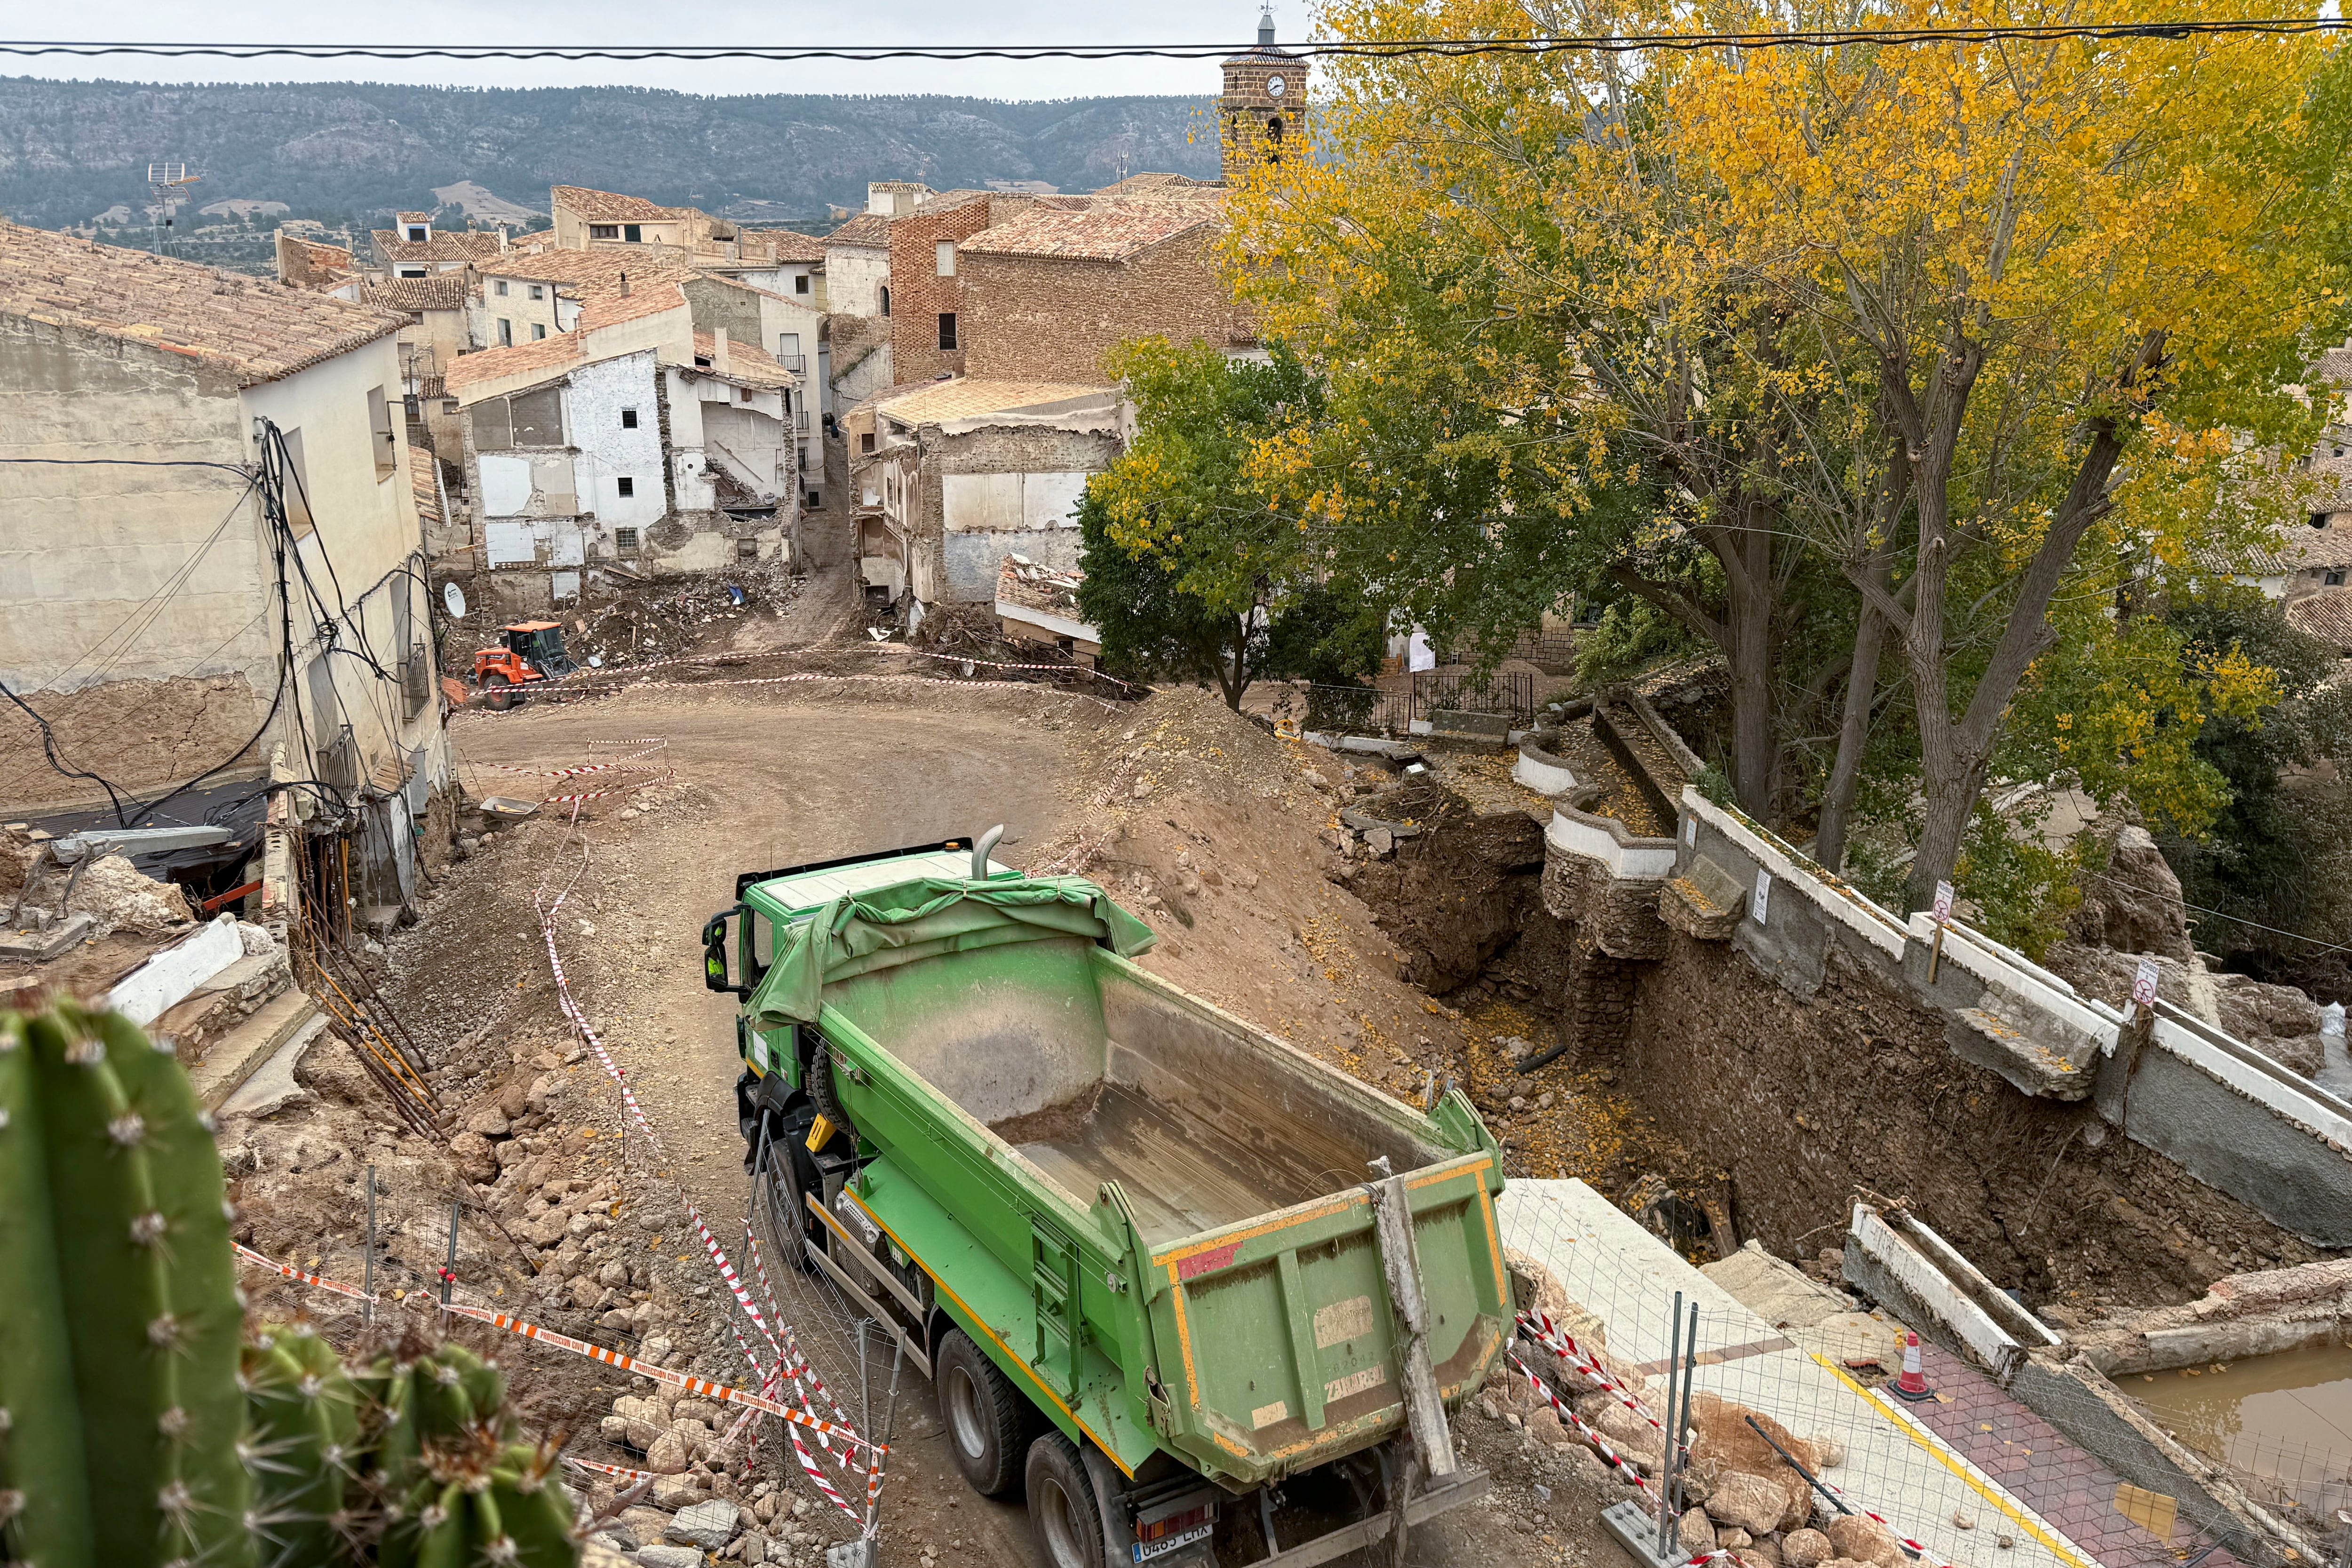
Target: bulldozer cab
(539, 644)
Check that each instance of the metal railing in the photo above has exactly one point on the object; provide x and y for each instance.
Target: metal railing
(1506, 692)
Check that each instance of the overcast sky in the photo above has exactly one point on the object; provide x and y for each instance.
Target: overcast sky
(685, 22)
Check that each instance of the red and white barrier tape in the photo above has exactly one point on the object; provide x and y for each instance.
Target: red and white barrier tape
(663, 777)
(1561, 1343)
(618, 1472)
(290, 1271)
(1578, 1425)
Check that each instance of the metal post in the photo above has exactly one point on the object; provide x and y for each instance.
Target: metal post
(449, 1273)
(367, 1269)
(865, 1385)
(1682, 1424)
(1674, 1370)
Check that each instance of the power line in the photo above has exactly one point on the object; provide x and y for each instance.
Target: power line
(1605, 43)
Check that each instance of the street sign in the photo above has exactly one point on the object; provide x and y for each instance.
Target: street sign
(1943, 902)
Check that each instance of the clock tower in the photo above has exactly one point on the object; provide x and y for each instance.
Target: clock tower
(1258, 117)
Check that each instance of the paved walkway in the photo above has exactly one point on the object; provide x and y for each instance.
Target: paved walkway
(2057, 1480)
(1908, 1468)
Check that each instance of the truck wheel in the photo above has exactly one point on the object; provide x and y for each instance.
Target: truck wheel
(1063, 1514)
(987, 1418)
(497, 695)
(787, 1173)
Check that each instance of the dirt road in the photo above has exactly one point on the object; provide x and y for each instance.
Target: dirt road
(770, 775)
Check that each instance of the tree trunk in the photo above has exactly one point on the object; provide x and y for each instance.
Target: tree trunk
(1747, 612)
(1233, 673)
(1950, 802)
(1854, 735)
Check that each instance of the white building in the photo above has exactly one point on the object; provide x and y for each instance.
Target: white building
(163, 625)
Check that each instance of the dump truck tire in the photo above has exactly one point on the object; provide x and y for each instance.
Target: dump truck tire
(1064, 1515)
(987, 1418)
(497, 694)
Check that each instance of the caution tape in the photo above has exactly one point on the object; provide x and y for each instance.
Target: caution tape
(1561, 1343)
(618, 1472)
(1579, 1426)
(901, 679)
(662, 777)
(290, 1271)
(698, 1387)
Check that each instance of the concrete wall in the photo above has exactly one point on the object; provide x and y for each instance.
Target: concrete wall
(854, 276)
(1042, 319)
(516, 307)
(959, 563)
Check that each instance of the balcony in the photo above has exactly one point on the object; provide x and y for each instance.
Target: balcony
(797, 363)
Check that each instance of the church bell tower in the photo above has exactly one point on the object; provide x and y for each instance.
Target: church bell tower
(1258, 117)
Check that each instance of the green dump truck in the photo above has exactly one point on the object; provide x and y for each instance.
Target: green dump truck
(1202, 1296)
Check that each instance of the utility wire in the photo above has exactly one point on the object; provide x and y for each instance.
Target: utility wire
(1606, 43)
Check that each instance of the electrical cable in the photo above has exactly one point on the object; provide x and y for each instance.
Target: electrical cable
(151, 607)
(50, 749)
(1606, 43)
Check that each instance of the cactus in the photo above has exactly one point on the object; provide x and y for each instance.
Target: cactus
(302, 1448)
(119, 1411)
(458, 1487)
(138, 1430)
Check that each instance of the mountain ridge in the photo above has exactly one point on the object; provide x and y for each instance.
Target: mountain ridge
(355, 152)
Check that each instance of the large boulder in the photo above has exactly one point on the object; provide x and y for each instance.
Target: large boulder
(1725, 1445)
(2279, 1021)
(471, 1150)
(1748, 1501)
(1864, 1539)
(1806, 1549)
(2135, 905)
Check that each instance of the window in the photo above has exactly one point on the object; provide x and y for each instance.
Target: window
(816, 501)
(788, 403)
(628, 418)
(538, 331)
(743, 394)
(866, 441)
(386, 444)
(632, 232)
(298, 489)
(885, 298)
(627, 484)
(800, 286)
(500, 286)
(417, 234)
(2319, 520)
(505, 333)
(412, 272)
(449, 406)
(947, 330)
(603, 231)
(947, 257)
(625, 541)
(2334, 579)
(747, 549)
(538, 290)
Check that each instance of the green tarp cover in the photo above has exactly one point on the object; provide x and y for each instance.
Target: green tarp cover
(925, 918)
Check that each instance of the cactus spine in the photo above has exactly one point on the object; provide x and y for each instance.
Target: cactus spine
(302, 1447)
(119, 1353)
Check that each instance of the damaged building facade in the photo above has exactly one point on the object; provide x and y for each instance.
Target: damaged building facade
(633, 440)
(191, 659)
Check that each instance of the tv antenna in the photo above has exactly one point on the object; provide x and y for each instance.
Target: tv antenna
(166, 191)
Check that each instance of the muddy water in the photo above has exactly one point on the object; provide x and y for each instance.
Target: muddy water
(2287, 1416)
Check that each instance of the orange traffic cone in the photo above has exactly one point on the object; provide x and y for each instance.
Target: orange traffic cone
(1913, 1384)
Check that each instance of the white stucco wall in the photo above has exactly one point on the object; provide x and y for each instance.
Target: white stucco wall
(605, 450)
(855, 275)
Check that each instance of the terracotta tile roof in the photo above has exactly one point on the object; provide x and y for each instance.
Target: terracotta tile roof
(608, 307)
(422, 487)
(262, 330)
(782, 244)
(611, 207)
(2306, 548)
(412, 217)
(458, 245)
(1105, 231)
(869, 229)
(2325, 615)
(1136, 185)
(965, 399)
(597, 268)
(551, 355)
(748, 365)
(948, 201)
(445, 292)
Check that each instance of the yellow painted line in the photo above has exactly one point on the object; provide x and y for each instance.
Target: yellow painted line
(1234, 1238)
(1937, 1450)
(1042, 1386)
(1184, 1340)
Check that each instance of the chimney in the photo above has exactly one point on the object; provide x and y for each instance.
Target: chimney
(718, 351)
(625, 285)
(502, 239)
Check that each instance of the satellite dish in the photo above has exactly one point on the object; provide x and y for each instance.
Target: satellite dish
(455, 597)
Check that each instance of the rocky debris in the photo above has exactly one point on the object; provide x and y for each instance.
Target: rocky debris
(2279, 1021)
(1750, 1486)
(710, 1525)
(1805, 1548)
(2135, 905)
(1696, 1533)
(669, 1557)
(1860, 1538)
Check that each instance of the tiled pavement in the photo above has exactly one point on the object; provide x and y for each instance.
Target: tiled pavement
(2041, 1468)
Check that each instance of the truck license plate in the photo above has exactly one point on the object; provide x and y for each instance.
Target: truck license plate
(1145, 1552)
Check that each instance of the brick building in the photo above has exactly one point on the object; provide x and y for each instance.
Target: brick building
(1047, 294)
(1265, 90)
(926, 324)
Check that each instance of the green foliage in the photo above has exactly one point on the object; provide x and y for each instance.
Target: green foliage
(2022, 889)
(119, 1346)
(1630, 634)
(1193, 570)
(2278, 853)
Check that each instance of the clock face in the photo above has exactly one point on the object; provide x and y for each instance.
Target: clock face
(1273, 85)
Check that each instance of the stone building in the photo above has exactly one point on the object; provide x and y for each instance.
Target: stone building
(438, 330)
(147, 618)
(927, 325)
(1050, 292)
(415, 249)
(1259, 112)
(308, 264)
(953, 476)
